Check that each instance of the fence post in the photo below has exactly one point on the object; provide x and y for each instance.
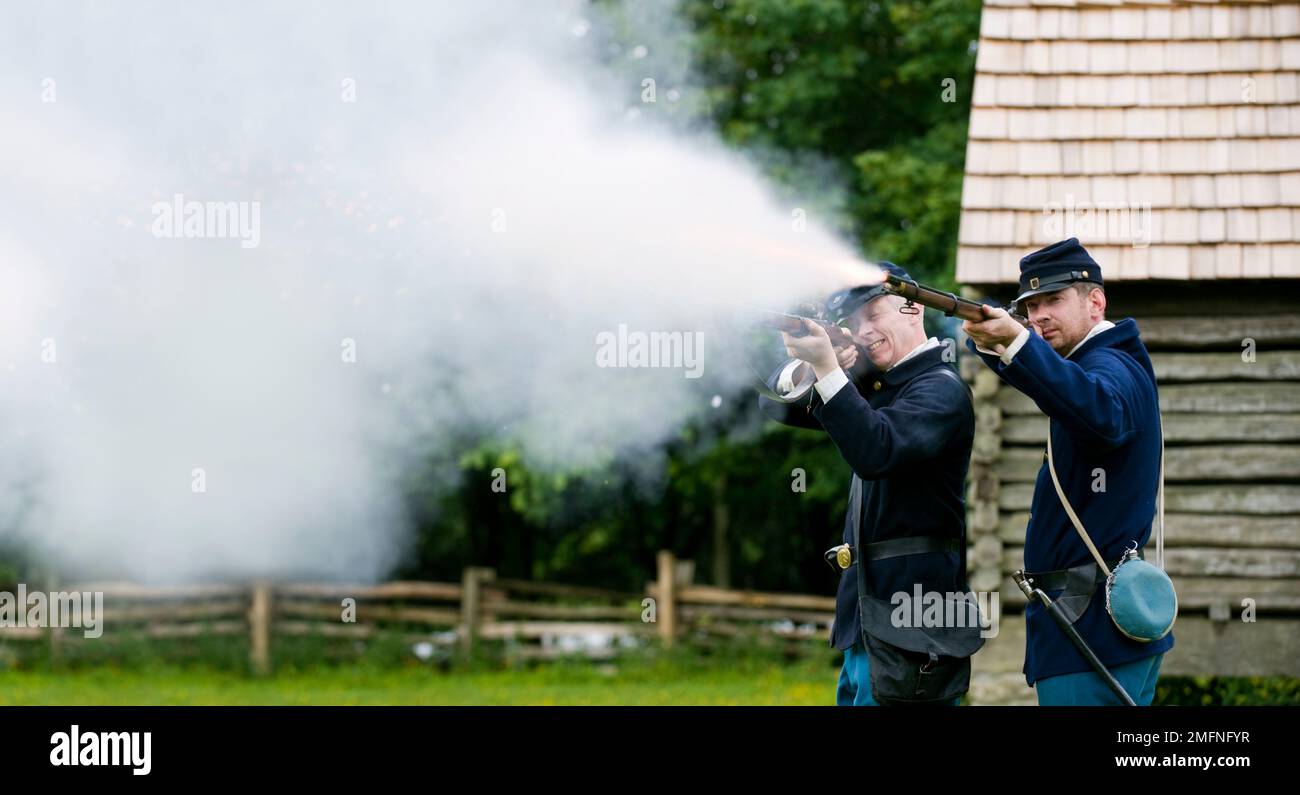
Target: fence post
(259, 629)
(471, 597)
(666, 609)
(56, 631)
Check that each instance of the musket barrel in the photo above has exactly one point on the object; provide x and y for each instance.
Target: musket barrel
(948, 303)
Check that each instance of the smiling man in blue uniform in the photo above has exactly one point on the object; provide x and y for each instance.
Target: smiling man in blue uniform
(905, 430)
(1094, 380)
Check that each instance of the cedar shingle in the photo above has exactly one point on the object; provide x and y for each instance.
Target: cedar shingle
(988, 123)
(1243, 226)
(1227, 121)
(1145, 123)
(1126, 157)
(1228, 260)
(1067, 123)
(1286, 20)
(1201, 24)
(1256, 261)
(1202, 190)
(1039, 157)
(1220, 22)
(1107, 57)
(1156, 190)
(1068, 57)
(1151, 162)
(995, 23)
(1202, 262)
(1236, 155)
(1034, 195)
(1135, 263)
(1098, 157)
(1259, 190)
(1127, 23)
(1178, 226)
(1170, 262)
(1049, 23)
(1159, 23)
(1008, 192)
(1288, 190)
(1290, 54)
(1000, 56)
(1110, 190)
(1251, 121)
(977, 192)
(1260, 22)
(1227, 189)
(1275, 225)
(1024, 23)
(1094, 24)
(1212, 225)
(1198, 122)
(1015, 90)
(1278, 154)
(1037, 57)
(1286, 260)
(1110, 122)
(1147, 57)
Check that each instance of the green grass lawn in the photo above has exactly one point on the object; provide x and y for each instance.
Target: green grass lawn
(803, 683)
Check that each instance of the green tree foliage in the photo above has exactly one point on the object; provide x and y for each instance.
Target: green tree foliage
(881, 89)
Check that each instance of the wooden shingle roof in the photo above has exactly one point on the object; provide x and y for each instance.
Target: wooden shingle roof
(1175, 125)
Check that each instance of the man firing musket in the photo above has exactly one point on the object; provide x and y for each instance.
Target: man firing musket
(906, 433)
(1094, 380)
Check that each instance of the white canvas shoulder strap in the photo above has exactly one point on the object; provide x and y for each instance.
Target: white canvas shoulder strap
(1078, 525)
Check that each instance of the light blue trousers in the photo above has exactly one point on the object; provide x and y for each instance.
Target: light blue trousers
(854, 689)
(1138, 678)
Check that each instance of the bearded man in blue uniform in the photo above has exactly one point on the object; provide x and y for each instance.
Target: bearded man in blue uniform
(1094, 380)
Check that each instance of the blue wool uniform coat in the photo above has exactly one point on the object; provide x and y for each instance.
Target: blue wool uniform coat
(1104, 412)
(907, 434)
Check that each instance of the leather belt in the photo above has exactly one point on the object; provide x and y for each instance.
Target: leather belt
(844, 555)
(1056, 580)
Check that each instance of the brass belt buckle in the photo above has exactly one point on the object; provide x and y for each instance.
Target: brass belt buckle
(841, 556)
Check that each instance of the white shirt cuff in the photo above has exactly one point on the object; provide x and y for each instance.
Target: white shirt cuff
(832, 383)
(1015, 346)
(785, 381)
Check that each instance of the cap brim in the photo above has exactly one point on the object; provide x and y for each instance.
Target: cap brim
(849, 307)
(1041, 291)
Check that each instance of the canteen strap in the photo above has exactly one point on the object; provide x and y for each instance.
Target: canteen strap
(1069, 510)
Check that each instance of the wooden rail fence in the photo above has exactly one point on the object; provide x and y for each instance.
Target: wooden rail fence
(542, 620)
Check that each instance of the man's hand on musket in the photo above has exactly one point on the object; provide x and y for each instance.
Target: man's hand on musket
(995, 332)
(848, 356)
(815, 348)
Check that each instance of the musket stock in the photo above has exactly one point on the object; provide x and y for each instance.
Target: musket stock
(793, 325)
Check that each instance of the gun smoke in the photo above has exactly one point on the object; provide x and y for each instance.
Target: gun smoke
(454, 201)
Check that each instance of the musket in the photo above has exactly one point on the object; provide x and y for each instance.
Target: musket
(909, 290)
(948, 303)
